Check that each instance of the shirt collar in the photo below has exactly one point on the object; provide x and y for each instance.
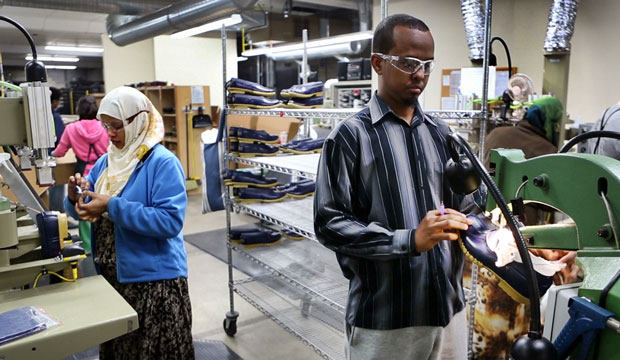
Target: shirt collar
(379, 109)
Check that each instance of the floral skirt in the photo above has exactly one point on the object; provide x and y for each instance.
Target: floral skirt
(163, 307)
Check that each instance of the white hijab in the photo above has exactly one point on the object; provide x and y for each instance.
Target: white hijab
(144, 132)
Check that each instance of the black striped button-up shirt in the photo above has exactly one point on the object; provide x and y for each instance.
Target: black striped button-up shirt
(377, 178)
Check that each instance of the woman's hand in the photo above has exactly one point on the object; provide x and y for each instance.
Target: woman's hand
(76, 180)
(92, 210)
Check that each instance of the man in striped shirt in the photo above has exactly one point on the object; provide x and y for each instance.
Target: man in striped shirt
(380, 184)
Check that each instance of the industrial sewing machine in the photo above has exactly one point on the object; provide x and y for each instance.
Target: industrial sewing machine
(586, 188)
(35, 242)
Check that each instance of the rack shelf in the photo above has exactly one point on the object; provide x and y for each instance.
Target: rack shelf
(318, 326)
(344, 113)
(295, 215)
(306, 265)
(298, 165)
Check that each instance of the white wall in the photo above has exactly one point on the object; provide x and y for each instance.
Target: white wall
(195, 61)
(594, 71)
(127, 64)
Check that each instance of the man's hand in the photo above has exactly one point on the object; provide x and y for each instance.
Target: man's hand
(76, 180)
(436, 227)
(95, 207)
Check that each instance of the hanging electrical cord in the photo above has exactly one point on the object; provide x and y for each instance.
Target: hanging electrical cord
(589, 135)
(534, 295)
(13, 87)
(45, 272)
(519, 189)
(611, 218)
(25, 32)
(493, 59)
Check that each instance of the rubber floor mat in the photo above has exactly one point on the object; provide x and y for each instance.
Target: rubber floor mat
(213, 350)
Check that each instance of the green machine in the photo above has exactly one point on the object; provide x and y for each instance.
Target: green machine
(586, 188)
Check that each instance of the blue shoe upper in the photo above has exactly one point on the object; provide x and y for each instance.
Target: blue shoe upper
(245, 84)
(258, 194)
(245, 99)
(258, 148)
(260, 237)
(474, 240)
(246, 177)
(308, 145)
(312, 101)
(259, 135)
(309, 88)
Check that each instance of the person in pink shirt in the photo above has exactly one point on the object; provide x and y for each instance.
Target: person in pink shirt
(89, 141)
(87, 137)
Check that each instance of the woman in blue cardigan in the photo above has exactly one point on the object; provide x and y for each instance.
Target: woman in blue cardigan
(135, 197)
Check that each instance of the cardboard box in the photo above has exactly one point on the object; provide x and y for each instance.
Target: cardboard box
(271, 124)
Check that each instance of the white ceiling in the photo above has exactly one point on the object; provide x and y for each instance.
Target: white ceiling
(47, 27)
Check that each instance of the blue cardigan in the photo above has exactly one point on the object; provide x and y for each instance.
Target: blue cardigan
(148, 218)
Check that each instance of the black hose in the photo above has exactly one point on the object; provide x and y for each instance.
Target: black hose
(507, 53)
(535, 326)
(589, 135)
(25, 32)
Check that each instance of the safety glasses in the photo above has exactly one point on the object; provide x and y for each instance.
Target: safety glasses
(116, 128)
(409, 65)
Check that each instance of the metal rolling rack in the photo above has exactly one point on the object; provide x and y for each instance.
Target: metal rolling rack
(302, 288)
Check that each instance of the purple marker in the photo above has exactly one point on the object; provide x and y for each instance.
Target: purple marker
(442, 209)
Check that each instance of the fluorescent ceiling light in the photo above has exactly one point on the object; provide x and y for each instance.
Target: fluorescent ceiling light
(54, 58)
(234, 19)
(314, 52)
(74, 48)
(61, 67)
(341, 39)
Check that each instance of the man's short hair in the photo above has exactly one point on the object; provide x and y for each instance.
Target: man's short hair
(87, 107)
(383, 40)
(55, 94)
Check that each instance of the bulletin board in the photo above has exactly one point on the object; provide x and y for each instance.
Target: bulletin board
(451, 80)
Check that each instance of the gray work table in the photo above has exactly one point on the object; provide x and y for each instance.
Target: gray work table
(90, 312)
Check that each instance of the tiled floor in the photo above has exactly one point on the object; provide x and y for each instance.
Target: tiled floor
(257, 336)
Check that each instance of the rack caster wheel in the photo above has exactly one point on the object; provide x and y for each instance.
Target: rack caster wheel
(230, 323)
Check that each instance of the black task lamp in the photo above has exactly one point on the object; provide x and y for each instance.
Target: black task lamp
(506, 98)
(464, 173)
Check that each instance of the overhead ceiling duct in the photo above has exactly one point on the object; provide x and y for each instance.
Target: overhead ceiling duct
(473, 19)
(561, 26)
(126, 7)
(351, 48)
(176, 17)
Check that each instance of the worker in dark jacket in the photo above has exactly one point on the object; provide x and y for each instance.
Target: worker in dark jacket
(536, 134)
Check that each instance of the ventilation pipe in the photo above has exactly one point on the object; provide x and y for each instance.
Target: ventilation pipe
(173, 18)
(560, 30)
(127, 7)
(473, 19)
(561, 26)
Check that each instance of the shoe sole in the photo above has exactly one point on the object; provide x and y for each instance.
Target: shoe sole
(300, 152)
(254, 246)
(245, 185)
(251, 92)
(250, 106)
(253, 201)
(295, 106)
(251, 141)
(509, 290)
(292, 237)
(256, 154)
(294, 196)
(301, 96)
